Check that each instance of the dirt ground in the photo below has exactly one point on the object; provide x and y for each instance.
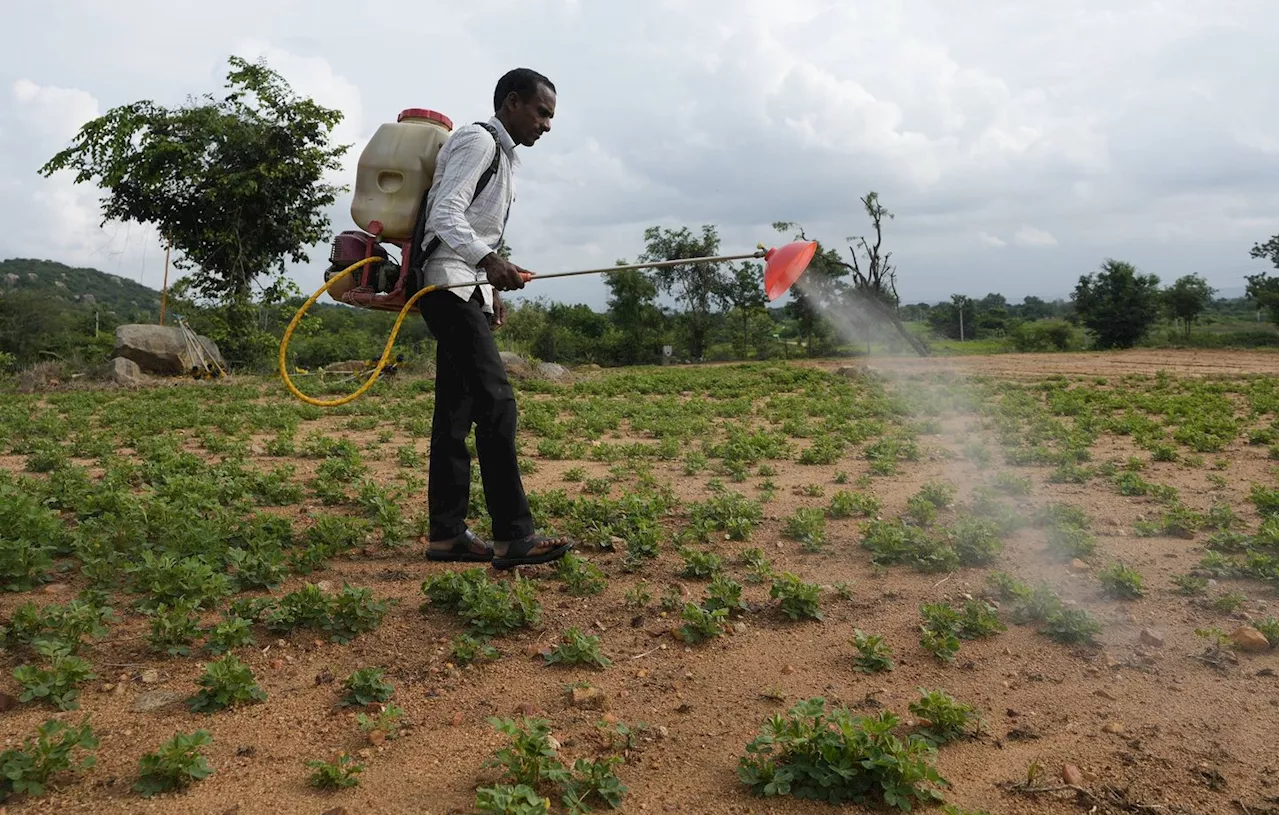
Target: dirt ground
(1152, 729)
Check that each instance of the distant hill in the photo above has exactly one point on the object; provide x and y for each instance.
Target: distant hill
(127, 299)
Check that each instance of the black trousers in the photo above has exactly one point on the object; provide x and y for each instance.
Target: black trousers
(471, 388)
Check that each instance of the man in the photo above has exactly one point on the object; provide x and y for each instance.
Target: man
(471, 381)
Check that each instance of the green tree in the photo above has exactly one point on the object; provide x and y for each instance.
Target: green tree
(746, 293)
(699, 287)
(1261, 288)
(235, 184)
(1187, 299)
(1117, 304)
(633, 309)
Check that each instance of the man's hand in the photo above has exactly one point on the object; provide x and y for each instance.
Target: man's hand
(502, 274)
(499, 311)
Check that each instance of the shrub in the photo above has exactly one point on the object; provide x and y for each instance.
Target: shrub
(1047, 335)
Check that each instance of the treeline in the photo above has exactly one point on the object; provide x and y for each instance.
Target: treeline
(711, 312)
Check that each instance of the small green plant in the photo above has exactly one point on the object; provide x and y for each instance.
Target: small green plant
(837, 756)
(799, 600)
(701, 624)
(508, 799)
(231, 632)
(809, 526)
(386, 722)
(638, 596)
(337, 774)
(466, 649)
(1191, 585)
(726, 593)
(175, 765)
(582, 577)
(366, 686)
(873, 655)
(27, 770)
(699, 564)
(226, 682)
(944, 719)
(58, 682)
(577, 648)
(530, 761)
(1121, 582)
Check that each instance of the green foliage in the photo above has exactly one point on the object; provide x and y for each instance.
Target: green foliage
(204, 174)
(366, 686)
(798, 600)
(836, 756)
(581, 577)
(466, 649)
(175, 765)
(226, 682)
(27, 770)
(344, 616)
(1187, 299)
(1117, 304)
(529, 762)
(873, 655)
(698, 287)
(577, 648)
(701, 623)
(944, 719)
(57, 681)
(508, 799)
(339, 774)
(1121, 582)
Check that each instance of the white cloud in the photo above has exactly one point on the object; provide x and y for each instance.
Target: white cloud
(1030, 236)
(739, 114)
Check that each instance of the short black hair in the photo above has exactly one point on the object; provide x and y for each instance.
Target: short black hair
(523, 81)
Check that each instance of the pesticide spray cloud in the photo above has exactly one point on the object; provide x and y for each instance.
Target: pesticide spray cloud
(947, 398)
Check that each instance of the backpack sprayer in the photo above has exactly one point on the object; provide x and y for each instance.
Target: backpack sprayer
(393, 177)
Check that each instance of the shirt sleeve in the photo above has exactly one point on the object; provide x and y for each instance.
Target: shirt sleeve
(466, 155)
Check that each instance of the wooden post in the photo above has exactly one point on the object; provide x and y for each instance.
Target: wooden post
(164, 288)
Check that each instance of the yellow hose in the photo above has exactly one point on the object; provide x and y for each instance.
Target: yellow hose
(386, 352)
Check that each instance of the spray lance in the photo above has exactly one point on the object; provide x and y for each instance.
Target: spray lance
(783, 265)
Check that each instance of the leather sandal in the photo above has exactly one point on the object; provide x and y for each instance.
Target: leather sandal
(518, 552)
(461, 551)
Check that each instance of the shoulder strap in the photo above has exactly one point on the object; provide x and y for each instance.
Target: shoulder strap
(420, 262)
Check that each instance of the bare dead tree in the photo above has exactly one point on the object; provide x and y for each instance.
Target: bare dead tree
(875, 278)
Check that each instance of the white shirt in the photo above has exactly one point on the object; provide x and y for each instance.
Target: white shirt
(468, 230)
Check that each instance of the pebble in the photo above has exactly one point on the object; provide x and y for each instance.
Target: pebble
(150, 676)
(589, 698)
(1151, 637)
(1078, 565)
(787, 669)
(1071, 775)
(1114, 728)
(457, 719)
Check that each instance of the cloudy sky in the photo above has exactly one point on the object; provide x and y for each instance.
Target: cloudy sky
(1018, 144)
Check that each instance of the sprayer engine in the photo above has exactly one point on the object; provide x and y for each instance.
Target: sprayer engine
(354, 245)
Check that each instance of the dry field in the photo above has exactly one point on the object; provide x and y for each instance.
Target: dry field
(1026, 584)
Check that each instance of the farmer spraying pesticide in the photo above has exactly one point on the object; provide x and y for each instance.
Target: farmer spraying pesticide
(443, 197)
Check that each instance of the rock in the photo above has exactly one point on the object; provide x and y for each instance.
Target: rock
(787, 669)
(54, 588)
(554, 372)
(88, 298)
(150, 676)
(7, 702)
(160, 349)
(1071, 775)
(1114, 728)
(589, 698)
(457, 719)
(1248, 638)
(148, 701)
(125, 372)
(1078, 565)
(516, 365)
(1150, 636)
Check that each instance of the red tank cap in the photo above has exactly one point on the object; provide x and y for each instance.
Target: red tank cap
(423, 113)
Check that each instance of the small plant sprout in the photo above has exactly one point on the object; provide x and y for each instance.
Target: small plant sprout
(873, 655)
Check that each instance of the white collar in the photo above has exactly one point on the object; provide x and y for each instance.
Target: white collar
(504, 138)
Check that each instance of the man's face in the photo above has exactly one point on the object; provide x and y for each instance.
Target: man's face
(527, 121)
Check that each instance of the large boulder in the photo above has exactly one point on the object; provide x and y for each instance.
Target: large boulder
(554, 372)
(160, 349)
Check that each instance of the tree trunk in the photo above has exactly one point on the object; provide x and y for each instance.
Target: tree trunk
(892, 316)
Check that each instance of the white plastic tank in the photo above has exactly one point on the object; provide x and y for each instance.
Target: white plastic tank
(395, 169)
